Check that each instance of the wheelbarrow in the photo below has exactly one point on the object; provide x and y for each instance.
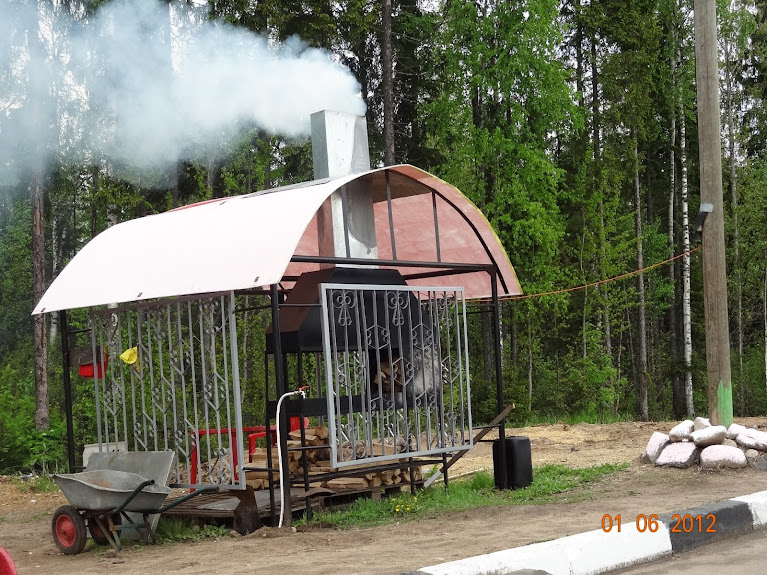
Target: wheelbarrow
(99, 501)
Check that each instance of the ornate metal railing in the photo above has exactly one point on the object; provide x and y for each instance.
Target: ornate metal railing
(176, 386)
(397, 372)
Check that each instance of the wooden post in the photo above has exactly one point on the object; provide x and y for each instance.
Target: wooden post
(714, 266)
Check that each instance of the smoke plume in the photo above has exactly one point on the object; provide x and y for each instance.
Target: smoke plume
(146, 83)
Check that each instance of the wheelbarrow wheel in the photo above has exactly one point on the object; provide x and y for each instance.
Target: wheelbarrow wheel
(96, 533)
(68, 528)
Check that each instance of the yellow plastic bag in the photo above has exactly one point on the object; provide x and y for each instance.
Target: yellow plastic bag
(130, 356)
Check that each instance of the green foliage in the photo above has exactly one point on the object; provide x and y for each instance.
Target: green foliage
(175, 530)
(532, 110)
(478, 491)
(42, 484)
(405, 504)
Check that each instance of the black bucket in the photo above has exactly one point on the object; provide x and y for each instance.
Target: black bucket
(519, 462)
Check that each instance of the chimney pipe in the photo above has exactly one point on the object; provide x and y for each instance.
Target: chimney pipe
(346, 223)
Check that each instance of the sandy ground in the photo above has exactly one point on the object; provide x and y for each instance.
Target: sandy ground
(407, 546)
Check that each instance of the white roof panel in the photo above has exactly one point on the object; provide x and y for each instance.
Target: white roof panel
(245, 242)
(228, 244)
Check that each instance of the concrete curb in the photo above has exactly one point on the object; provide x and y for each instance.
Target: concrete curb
(597, 551)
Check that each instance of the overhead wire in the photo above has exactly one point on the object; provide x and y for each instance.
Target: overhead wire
(599, 282)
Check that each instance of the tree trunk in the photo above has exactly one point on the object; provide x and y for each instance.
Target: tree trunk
(676, 382)
(642, 375)
(42, 415)
(94, 193)
(686, 314)
(387, 83)
(38, 86)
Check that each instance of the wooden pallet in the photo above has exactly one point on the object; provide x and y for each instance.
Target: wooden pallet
(222, 505)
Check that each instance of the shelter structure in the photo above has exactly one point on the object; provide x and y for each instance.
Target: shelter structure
(368, 277)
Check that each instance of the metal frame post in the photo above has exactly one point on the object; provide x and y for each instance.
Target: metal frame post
(67, 380)
(499, 378)
(279, 373)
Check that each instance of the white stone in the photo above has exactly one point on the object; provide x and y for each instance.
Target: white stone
(752, 454)
(701, 423)
(681, 432)
(682, 455)
(656, 444)
(753, 439)
(722, 457)
(730, 442)
(734, 430)
(709, 435)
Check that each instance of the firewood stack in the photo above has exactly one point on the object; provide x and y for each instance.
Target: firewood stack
(318, 454)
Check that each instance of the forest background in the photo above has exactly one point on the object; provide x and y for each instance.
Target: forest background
(571, 124)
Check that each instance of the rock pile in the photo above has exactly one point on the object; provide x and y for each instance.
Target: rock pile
(711, 446)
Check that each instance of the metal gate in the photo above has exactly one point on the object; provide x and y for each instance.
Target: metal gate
(397, 372)
(170, 381)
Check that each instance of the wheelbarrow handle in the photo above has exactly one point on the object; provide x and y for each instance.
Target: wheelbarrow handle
(187, 497)
(133, 495)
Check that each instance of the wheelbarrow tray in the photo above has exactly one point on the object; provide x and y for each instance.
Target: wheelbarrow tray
(103, 490)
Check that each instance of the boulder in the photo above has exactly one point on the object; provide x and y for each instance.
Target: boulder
(713, 435)
(701, 423)
(760, 463)
(753, 439)
(730, 442)
(654, 447)
(681, 432)
(682, 455)
(752, 454)
(722, 457)
(734, 430)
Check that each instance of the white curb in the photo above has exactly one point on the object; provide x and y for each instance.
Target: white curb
(757, 503)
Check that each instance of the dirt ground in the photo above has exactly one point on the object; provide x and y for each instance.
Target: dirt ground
(407, 546)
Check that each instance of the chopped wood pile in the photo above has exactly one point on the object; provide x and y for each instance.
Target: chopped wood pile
(318, 461)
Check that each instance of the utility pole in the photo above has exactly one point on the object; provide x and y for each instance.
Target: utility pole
(714, 266)
(387, 58)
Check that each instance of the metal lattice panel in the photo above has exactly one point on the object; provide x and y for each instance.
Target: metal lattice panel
(400, 356)
(178, 388)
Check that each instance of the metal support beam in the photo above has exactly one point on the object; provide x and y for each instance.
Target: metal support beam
(279, 371)
(65, 375)
(499, 378)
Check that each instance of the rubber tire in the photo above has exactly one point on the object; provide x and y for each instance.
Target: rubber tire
(96, 534)
(68, 528)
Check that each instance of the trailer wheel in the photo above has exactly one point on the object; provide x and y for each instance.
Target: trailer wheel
(68, 528)
(96, 533)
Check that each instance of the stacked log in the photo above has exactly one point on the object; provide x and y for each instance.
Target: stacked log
(318, 462)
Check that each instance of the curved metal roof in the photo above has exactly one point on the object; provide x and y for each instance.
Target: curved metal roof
(245, 242)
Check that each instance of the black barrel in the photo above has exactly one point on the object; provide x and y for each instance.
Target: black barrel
(519, 462)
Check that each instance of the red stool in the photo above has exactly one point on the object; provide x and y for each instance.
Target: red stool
(254, 431)
(295, 425)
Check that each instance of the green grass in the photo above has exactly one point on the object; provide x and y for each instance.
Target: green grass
(36, 485)
(573, 418)
(477, 491)
(174, 530)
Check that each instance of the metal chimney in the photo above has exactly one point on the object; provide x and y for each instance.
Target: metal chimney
(346, 223)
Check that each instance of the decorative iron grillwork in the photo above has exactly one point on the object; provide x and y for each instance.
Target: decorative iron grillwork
(401, 356)
(179, 391)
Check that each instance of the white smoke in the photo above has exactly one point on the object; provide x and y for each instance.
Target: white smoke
(148, 84)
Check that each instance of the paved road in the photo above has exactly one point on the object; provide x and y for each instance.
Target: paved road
(741, 556)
